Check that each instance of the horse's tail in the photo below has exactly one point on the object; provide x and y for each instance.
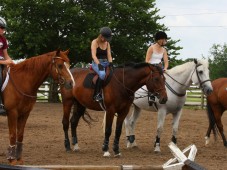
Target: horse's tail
(212, 121)
(84, 114)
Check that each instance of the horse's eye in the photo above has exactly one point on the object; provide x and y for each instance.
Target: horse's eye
(60, 66)
(201, 72)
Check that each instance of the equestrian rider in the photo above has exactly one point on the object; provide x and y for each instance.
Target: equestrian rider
(156, 53)
(4, 59)
(101, 55)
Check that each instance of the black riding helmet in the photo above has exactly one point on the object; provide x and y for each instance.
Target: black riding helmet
(106, 33)
(160, 35)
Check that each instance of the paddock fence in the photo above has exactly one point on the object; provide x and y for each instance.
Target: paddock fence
(195, 96)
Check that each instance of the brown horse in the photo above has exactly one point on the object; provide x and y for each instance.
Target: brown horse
(20, 93)
(216, 105)
(118, 96)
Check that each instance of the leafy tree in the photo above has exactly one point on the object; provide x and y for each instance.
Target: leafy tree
(218, 63)
(39, 26)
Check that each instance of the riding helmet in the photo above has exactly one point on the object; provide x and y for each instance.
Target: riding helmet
(160, 35)
(106, 33)
(2, 22)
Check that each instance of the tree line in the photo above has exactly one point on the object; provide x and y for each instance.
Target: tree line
(35, 27)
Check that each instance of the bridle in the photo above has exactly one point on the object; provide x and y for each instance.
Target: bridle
(183, 94)
(61, 79)
(157, 91)
(200, 82)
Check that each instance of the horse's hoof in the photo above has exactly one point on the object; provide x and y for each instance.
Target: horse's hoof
(68, 150)
(157, 149)
(117, 155)
(106, 154)
(76, 148)
(12, 162)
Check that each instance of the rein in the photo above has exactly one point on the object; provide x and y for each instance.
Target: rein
(181, 95)
(61, 79)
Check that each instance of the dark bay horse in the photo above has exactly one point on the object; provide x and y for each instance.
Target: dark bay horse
(118, 96)
(20, 93)
(216, 105)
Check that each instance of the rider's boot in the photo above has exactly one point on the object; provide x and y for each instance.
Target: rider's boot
(97, 94)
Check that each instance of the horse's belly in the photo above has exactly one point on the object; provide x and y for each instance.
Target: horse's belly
(143, 104)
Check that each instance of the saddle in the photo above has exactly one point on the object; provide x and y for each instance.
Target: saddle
(92, 76)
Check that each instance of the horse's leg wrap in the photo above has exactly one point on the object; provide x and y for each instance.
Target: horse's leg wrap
(19, 149)
(157, 141)
(131, 138)
(74, 140)
(116, 146)
(67, 145)
(174, 139)
(117, 138)
(11, 155)
(105, 146)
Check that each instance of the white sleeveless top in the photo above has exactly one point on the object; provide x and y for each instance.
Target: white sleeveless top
(156, 58)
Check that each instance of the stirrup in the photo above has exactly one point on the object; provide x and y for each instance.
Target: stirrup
(151, 98)
(2, 110)
(98, 97)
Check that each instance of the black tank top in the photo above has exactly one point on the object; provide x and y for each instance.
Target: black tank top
(101, 54)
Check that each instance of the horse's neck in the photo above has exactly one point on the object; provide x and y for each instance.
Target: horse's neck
(33, 77)
(181, 76)
(135, 82)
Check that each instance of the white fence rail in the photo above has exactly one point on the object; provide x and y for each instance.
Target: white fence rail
(195, 96)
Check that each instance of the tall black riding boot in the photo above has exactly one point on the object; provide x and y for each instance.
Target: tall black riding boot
(2, 110)
(97, 94)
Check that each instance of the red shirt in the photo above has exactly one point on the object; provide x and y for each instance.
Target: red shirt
(3, 45)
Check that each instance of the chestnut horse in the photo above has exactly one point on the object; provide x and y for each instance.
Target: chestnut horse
(118, 96)
(20, 93)
(216, 105)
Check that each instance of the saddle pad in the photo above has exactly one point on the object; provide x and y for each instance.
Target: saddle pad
(88, 81)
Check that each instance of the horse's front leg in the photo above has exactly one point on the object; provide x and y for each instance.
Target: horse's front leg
(65, 122)
(20, 136)
(12, 123)
(120, 119)
(176, 120)
(207, 137)
(161, 121)
(78, 111)
(108, 130)
(130, 123)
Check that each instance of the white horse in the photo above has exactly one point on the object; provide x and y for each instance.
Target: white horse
(178, 80)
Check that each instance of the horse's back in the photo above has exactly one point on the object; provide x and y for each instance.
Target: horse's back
(219, 95)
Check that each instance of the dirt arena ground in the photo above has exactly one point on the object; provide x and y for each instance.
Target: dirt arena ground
(44, 140)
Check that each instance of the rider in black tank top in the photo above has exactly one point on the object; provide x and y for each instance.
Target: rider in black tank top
(101, 55)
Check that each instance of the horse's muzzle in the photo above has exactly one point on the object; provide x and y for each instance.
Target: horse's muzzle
(68, 84)
(207, 90)
(163, 100)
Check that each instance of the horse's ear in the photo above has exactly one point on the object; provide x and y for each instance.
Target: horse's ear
(58, 52)
(67, 52)
(195, 61)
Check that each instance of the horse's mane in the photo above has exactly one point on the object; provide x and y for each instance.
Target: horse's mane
(133, 65)
(33, 63)
(187, 65)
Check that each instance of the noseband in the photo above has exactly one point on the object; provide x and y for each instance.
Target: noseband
(156, 92)
(61, 79)
(200, 82)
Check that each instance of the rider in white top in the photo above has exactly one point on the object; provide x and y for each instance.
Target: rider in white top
(156, 52)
